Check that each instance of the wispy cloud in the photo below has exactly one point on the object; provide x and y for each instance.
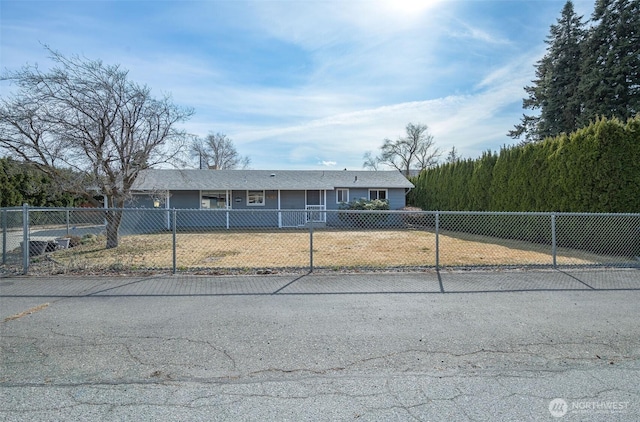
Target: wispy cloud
(471, 122)
(466, 30)
(312, 83)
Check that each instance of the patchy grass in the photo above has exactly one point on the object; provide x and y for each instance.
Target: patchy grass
(265, 249)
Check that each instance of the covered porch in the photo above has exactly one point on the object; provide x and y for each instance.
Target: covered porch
(288, 203)
(312, 201)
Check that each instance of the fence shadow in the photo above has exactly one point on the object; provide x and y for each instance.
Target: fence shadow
(379, 283)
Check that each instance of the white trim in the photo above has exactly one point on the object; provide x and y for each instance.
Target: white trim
(342, 189)
(279, 212)
(386, 193)
(261, 204)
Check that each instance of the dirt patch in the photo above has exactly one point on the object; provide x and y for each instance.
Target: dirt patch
(27, 312)
(275, 249)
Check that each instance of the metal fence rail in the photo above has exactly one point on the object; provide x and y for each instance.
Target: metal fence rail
(67, 240)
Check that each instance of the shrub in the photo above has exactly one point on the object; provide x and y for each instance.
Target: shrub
(413, 217)
(372, 212)
(363, 204)
(74, 241)
(91, 238)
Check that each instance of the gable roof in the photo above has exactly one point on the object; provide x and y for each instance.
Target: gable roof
(197, 179)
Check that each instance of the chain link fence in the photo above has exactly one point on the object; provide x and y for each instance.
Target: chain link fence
(79, 240)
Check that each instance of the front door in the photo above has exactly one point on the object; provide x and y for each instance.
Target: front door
(315, 206)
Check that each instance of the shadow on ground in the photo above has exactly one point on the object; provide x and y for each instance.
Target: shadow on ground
(428, 282)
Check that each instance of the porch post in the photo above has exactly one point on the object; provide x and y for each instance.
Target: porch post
(306, 210)
(279, 212)
(227, 199)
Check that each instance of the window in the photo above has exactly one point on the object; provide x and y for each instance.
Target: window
(378, 194)
(255, 197)
(342, 195)
(214, 199)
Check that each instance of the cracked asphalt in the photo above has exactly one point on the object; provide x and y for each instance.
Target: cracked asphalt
(460, 346)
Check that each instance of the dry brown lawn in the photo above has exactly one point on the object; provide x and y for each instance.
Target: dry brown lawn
(382, 248)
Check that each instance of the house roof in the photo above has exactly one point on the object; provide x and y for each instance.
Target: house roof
(197, 179)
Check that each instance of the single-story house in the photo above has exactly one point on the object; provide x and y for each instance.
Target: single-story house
(310, 190)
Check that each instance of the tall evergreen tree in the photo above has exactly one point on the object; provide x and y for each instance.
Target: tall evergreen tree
(563, 107)
(555, 92)
(610, 84)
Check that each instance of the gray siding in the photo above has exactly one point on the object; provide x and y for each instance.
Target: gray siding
(140, 201)
(185, 199)
(250, 216)
(239, 200)
(177, 199)
(397, 197)
(292, 199)
(358, 193)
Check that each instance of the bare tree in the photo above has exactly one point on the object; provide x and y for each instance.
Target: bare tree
(217, 152)
(85, 116)
(414, 151)
(371, 162)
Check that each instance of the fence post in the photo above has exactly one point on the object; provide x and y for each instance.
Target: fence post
(4, 237)
(68, 221)
(25, 238)
(437, 241)
(554, 248)
(173, 230)
(310, 245)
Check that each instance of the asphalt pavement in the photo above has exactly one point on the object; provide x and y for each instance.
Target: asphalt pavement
(449, 345)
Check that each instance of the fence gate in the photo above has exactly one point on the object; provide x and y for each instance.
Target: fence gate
(292, 219)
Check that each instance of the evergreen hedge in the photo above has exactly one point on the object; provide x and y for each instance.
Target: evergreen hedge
(21, 182)
(593, 170)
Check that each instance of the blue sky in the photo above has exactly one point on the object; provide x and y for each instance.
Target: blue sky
(309, 84)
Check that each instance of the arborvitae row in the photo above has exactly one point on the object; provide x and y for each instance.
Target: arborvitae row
(594, 169)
